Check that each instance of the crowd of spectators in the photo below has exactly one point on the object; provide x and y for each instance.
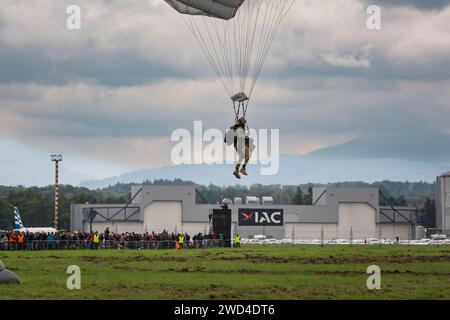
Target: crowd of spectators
(16, 240)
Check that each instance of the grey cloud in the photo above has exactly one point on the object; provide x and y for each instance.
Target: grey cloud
(309, 106)
(31, 66)
(111, 52)
(2, 21)
(420, 4)
(89, 110)
(139, 80)
(344, 105)
(119, 47)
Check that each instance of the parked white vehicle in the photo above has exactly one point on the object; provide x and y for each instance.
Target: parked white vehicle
(263, 240)
(422, 242)
(302, 242)
(387, 241)
(260, 237)
(373, 241)
(438, 236)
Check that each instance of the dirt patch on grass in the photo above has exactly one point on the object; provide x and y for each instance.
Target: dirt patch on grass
(183, 270)
(390, 272)
(159, 258)
(336, 260)
(139, 258)
(240, 271)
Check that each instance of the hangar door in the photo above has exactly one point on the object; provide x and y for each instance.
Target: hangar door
(163, 215)
(358, 217)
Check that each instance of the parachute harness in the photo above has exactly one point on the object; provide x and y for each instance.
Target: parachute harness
(240, 109)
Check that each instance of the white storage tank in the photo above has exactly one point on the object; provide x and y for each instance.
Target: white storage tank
(267, 200)
(252, 200)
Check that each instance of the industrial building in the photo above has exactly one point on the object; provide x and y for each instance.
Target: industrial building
(336, 213)
(443, 203)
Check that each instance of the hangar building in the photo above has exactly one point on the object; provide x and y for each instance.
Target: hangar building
(342, 213)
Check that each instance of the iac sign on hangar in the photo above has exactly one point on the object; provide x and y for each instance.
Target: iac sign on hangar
(260, 217)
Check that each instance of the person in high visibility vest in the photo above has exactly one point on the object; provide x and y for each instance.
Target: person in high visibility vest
(237, 241)
(21, 241)
(181, 240)
(13, 241)
(96, 240)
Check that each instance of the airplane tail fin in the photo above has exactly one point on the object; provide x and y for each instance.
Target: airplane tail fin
(17, 221)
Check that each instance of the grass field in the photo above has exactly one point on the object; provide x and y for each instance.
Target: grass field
(251, 272)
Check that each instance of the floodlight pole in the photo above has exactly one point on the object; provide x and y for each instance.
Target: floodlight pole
(56, 158)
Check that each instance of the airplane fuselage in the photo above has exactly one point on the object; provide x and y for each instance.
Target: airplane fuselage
(36, 230)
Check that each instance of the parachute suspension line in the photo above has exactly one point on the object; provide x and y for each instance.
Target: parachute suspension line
(198, 36)
(207, 50)
(251, 38)
(237, 48)
(236, 110)
(222, 37)
(244, 30)
(240, 109)
(283, 8)
(243, 35)
(245, 106)
(190, 23)
(266, 24)
(214, 45)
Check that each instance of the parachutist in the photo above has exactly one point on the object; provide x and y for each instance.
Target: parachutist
(243, 145)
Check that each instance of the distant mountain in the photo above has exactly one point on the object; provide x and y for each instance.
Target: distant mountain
(420, 147)
(293, 170)
(400, 158)
(413, 158)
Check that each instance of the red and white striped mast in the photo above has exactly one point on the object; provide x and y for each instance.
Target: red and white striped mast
(56, 158)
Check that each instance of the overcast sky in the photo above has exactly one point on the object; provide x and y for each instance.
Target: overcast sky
(114, 91)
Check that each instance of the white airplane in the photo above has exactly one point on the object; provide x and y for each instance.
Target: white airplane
(18, 226)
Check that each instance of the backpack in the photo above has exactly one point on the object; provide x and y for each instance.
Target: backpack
(229, 137)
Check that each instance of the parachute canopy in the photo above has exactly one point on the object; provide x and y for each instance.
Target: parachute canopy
(236, 36)
(222, 9)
